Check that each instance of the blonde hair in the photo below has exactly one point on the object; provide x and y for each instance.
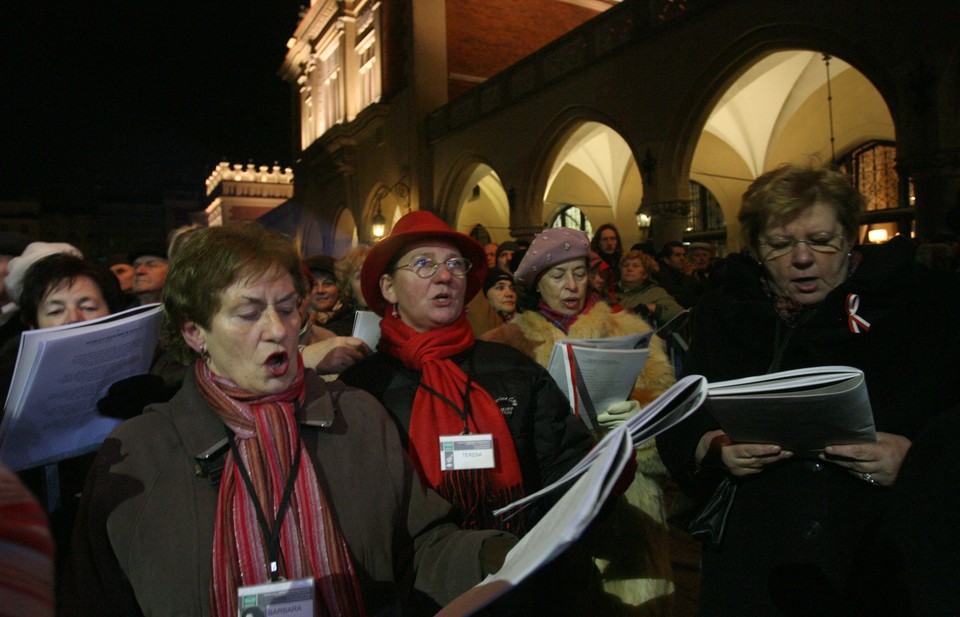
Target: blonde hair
(784, 192)
(649, 263)
(344, 269)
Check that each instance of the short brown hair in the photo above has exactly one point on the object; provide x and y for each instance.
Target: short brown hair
(785, 191)
(208, 261)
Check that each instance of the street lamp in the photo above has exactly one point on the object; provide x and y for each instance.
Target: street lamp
(643, 225)
(379, 223)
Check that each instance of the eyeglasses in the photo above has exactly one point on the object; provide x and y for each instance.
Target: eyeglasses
(825, 242)
(425, 267)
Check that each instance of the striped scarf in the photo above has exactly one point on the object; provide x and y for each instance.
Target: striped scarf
(311, 546)
(474, 493)
(26, 551)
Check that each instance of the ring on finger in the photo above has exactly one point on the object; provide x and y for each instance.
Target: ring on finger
(868, 478)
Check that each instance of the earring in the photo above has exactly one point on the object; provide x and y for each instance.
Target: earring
(203, 352)
(396, 313)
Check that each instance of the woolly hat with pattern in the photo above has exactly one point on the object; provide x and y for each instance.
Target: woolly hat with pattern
(418, 226)
(34, 252)
(549, 248)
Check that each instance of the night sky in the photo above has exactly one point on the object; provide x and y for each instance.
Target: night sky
(132, 97)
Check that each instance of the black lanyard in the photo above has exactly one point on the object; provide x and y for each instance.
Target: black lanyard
(272, 537)
(463, 413)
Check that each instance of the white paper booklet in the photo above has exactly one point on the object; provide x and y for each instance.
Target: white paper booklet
(664, 412)
(605, 370)
(802, 410)
(558, 529)
(593, 477)
(51, 408)
(366, 327)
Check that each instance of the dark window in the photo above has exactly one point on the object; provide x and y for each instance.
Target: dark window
(480, 234)
(705, 223)
(705, 211)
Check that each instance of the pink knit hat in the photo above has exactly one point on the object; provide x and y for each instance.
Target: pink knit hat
(549, 248)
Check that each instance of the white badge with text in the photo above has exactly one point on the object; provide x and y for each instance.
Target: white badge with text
(279, 599)
(458, 452)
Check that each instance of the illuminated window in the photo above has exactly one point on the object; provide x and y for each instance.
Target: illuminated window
(873, 169)
(572, 216)
(367, 50)
(330, 86)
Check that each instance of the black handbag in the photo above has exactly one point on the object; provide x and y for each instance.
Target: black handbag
(709, 524)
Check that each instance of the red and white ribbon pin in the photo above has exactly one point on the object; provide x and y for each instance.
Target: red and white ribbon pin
(856, 322)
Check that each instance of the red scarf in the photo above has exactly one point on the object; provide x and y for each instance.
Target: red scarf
(266, 433)
(474, 493)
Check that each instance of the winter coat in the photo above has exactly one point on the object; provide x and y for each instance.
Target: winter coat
(682, 287)
(640, 571)
(650, 293)
(794, 529)
(144, 535)
(548, 440)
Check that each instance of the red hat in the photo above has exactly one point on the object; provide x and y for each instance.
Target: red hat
(416, 227)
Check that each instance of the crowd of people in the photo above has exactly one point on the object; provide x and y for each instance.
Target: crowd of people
(271, 445)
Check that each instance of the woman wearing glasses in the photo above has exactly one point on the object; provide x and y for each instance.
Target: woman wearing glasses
(558, 304)
(807, 295)
(439, 382)
(444, 388)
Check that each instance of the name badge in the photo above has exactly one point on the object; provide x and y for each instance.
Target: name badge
(459, 452)
(279, 599)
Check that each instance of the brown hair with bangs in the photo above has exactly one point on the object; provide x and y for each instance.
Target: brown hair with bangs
(208, 261)
(783, 193)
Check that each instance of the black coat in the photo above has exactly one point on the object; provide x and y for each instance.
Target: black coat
(548, 439)
(795, 529)
(685, 289)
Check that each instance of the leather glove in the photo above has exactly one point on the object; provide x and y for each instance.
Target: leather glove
(618, 413)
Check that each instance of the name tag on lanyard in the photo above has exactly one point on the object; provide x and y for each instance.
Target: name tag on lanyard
(282, 598)
(459, 452)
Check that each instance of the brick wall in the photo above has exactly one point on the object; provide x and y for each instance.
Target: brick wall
(486, 36)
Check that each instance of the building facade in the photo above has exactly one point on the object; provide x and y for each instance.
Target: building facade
(654, 115)
(238, 193)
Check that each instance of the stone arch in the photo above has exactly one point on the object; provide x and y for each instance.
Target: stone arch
(473, 193)
(616, 196)
(751, 53)
(732, 63)
(345, 233)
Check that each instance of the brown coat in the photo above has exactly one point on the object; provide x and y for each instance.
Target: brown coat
(144, 534)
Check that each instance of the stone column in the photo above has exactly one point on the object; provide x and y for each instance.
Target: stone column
(668, 220)
(936, 187)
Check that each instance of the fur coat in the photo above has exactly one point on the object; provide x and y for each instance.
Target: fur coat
(634, 541)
